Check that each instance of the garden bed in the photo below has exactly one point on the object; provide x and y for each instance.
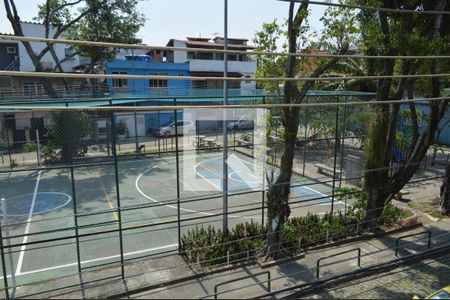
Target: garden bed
(211, 247)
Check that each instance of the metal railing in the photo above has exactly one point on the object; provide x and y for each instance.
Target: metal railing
(397, 241)
(337, 254)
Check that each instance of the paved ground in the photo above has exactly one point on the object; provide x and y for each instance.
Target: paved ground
(136, 240)
(283, 275)
(41, 205)
(421, 279)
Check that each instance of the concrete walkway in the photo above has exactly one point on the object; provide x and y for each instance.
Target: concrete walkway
(283, 275)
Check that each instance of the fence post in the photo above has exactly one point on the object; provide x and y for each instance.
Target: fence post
(359, 257)
(158, 134)
(119, 212)
(336, 139)
(9, 149)
(177, 156)
(300, 244)
(38, 148)
(75, 217)
(344, 125)
(228, 257)
(136, 140)
(4, 272)
(8, 244)
(306, 141)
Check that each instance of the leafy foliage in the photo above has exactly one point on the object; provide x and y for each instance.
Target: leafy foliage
(110, 21)
(67, 130)
(210, 245)
(29, 147)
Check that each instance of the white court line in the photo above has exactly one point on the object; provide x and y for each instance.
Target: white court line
(94, 260)
(27, 229)
(204, 178)
(156, 201)
(317, 192)
(69, 198)
(175, 207)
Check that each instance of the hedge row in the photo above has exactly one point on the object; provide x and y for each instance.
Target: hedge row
(210, 245)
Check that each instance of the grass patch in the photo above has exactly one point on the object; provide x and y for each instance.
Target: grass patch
(423, 206)
(436, 214)
(406, 214)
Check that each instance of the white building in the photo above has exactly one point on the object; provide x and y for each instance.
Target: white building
(209, 64)
(70, 63)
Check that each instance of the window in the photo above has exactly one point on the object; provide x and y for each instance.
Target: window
(11, 50)
(192, 55)
(206, 56)
(33, 88)
(157, 83)
(232, 57)
(118, 82)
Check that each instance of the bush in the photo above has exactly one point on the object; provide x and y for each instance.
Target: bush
(29, 147)
(49, 154)
(211, 245)
(313, 229)
(392, 215)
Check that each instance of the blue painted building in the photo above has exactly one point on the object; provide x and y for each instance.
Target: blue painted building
(143, 65)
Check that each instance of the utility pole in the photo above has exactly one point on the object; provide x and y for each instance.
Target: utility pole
(225, 135)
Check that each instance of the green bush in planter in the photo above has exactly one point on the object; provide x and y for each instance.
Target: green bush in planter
(211, 245)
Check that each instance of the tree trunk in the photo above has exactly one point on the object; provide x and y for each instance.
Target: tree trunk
(381, 183)
(278, 210)
(444, 206)
(376, 178)
(14, 19)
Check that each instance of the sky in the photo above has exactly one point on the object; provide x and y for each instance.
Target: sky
(166, 19)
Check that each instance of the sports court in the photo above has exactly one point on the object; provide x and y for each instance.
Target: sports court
(77, 212)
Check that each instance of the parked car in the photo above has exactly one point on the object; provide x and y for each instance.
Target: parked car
(241, 124)
(183, 126)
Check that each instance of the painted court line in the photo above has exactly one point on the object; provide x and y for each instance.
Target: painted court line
(94, 260)
(156, 201)
(323, 195)
(110, 204)
(27, 229)
(173, 206)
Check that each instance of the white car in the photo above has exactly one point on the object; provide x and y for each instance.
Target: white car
(183, 127)
(241, 124)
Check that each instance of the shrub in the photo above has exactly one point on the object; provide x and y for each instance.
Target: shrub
(211, 245)
(392, 215)
(29, 147)
(49, 154)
